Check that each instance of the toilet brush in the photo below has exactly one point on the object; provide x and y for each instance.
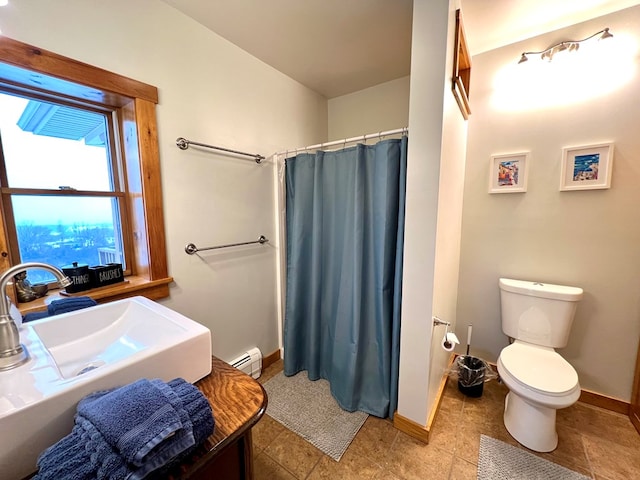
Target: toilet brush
(469, 338)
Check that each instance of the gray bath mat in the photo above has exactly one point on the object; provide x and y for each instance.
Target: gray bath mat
(500, 461)
(307, 408)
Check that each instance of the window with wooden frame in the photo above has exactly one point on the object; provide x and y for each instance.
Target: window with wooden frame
(61, 184)
(80, 171)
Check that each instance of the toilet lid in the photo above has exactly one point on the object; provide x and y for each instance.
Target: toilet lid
(539, 368)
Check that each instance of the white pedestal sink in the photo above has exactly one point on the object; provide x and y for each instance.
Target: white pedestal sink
(80, 352)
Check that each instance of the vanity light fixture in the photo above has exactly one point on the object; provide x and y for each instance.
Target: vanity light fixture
(570, 46)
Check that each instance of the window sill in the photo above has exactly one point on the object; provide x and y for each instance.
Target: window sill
(152, 289)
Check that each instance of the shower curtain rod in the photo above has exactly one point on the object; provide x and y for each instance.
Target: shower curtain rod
(403, 131)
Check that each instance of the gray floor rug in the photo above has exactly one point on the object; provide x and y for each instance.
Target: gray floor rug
(309, 409)
(500, 461)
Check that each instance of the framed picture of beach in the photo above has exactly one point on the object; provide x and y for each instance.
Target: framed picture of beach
(586, 168)
(508, 173)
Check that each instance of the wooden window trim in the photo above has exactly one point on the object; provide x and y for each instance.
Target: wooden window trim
(23, 66)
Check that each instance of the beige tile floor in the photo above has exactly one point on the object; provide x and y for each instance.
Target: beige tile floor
(593, 441)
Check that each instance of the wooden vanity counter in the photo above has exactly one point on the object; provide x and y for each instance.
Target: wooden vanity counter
(238, 402)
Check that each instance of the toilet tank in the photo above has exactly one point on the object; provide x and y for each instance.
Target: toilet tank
(538, 313)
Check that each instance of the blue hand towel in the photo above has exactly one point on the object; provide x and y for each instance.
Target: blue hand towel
(145, 418)
(86, 454)
(197, 407)
(30, 317)
(181, 441)
(65, 305)
(81, 455)
(203, 425)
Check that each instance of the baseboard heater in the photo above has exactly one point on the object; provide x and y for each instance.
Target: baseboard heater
(250, 362)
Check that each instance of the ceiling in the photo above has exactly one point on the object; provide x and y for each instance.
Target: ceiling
(337, 47)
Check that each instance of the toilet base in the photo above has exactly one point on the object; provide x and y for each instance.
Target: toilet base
(533, 426)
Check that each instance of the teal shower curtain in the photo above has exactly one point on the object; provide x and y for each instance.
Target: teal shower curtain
(345, 226)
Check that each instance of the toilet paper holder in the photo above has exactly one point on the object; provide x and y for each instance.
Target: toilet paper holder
(449, 340)
(437, 322)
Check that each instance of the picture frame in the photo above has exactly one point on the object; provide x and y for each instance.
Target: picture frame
(587, 167)
(508, 173)
(461, 78)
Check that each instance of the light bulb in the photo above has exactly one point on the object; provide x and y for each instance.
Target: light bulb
(4, 2)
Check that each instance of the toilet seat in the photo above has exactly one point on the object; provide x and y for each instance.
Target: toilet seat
(540, 382)
(540, 369)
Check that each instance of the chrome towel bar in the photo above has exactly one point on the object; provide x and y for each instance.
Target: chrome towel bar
(183, 144)
(191, 248)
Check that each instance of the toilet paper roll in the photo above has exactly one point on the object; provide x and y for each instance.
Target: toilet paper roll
(449, 341)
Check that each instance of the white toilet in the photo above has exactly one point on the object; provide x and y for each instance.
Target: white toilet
(538, 317)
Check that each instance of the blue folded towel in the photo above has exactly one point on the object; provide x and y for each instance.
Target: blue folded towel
(89, 451)
(82, 455)
(29, 317)
(197, 407)
(146, 417)
(63, 305)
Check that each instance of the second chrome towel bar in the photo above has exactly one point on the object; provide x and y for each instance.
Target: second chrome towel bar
(191, 248)
(183, 144)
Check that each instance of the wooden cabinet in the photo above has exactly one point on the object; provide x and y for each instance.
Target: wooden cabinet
(238, 403)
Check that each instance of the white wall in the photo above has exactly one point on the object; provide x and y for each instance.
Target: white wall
(449, 224)
(212, 92)
(376, 109)
(587, 238)
(434, 191)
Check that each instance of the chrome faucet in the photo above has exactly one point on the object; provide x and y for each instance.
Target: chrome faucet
(12, 352)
